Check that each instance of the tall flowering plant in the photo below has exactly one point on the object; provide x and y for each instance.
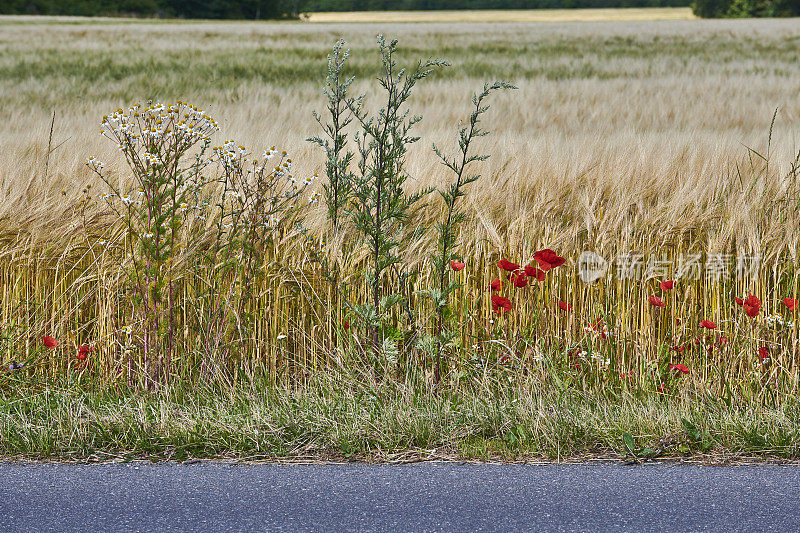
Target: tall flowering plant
(254, 201)
(156, 141)
(197, 219)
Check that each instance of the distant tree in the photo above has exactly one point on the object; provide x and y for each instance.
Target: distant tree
(710, 8)
(272, 9)
(139, 7)
(747, 8)
(204, 9)
(785, 8)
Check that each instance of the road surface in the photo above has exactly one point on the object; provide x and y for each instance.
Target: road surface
(421, 497)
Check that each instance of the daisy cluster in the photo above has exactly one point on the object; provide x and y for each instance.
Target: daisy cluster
(95, 164)
(140, 125)
(778, 320)
(233, 157)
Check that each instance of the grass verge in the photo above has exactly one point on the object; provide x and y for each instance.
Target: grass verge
(342, 419)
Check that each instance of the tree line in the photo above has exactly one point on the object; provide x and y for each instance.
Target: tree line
(701, 8)
(746, 8)
(194, 9)
(272, 9)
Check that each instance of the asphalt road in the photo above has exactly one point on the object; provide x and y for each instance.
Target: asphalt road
(420, 497)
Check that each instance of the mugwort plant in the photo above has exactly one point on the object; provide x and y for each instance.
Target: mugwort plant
(445, 258)
(374, 200)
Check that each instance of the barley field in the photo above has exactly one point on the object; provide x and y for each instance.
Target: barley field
(625, 138)
(507, 15)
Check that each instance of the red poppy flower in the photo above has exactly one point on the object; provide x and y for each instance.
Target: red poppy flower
(456, 265)
(346, 325)
(680, 348)
(49, 342)
(708, 324)
(496, 284)
(548, 259)
(564, 306)
(752, 306)
(790, 303)
(752, 301)
(519, 279)
(598, 327)
(533, 272)
(84, 351)
(500, 304)
(723, 340)
(679, 367)
(667, 284)
(505, 264)
(763, 352)
(656, 301)
(739, 301)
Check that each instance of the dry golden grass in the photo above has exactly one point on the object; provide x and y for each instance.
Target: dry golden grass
(507, 15)
(645, 101)
(623, 136)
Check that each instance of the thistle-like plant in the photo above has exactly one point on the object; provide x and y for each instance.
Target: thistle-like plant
(380, 207)
(337, 188)
(447, 242)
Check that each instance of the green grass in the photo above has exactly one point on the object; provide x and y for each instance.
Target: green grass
(339, 420)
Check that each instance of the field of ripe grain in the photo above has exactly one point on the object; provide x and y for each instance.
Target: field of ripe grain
(624, 137)
(610, 103)
(507, 15)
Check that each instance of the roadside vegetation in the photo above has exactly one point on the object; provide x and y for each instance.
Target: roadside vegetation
(194, 295)
(341, 418)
